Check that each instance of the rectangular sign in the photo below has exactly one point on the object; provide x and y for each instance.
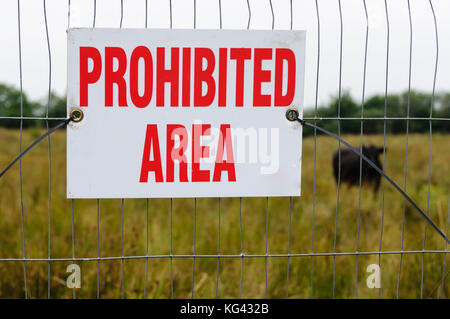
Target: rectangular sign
(184, 113)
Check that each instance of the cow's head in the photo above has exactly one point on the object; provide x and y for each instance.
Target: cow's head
(373, 151)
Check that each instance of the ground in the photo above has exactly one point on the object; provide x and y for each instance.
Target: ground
(350, 271)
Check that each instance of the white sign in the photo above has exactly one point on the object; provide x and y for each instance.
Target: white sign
(184, 113)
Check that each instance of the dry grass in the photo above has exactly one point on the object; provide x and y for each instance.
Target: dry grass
(36, 207)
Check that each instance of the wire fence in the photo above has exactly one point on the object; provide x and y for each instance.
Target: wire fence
(314, 207)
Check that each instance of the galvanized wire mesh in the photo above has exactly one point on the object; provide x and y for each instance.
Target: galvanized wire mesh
(242, 255)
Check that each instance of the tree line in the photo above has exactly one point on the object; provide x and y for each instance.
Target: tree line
(421, 105)
(10, 106)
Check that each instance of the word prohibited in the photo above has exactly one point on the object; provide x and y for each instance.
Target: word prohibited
(184, 113)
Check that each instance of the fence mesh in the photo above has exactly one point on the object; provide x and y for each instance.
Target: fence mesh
(318, 245)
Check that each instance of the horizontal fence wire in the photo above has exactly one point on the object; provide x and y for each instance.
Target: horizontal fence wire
(316, 118)
(353, 253)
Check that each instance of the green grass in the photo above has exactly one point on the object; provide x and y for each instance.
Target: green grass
(36, 212)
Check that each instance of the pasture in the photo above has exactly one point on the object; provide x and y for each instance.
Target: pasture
(253, 210)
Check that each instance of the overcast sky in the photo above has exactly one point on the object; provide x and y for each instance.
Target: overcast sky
(35, 56)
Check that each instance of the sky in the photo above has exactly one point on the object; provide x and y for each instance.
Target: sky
(36, 58)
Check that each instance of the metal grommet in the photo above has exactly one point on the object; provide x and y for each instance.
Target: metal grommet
(76, 115)
(292, 114)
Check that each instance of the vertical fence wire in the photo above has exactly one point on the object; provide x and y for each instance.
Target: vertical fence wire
(146, 13)
(22, 212)
(267, 246)
(218, 200)
(406, 145)
(171, 248)
(121, 13)
(430, 142)
(249, 18)
(290, 197)
(341, 33)
(266, 259)
(218, 254)
(94, 14)
(123, 249)
(72, 201)
(195, 199)
(73, 243)
(291, 11)
(170, 12)
(98, 200)
(194, 248)
(98, 248)
(220, 14)
(242, 247)
(218, 244)
(147, 201)
(146, 252)
(49, 149)
(123, 200)
(361, 144)
(68, 14)
(289, 246)
(240, 198)
(315, 146)
(249, 14)
(171, 200)
(384, 133)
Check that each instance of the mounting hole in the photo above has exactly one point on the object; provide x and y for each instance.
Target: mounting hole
(76, 115)
(292, 114)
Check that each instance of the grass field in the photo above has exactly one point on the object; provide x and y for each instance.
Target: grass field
(36, 212)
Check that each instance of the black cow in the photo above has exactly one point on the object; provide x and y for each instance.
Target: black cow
(350, 165)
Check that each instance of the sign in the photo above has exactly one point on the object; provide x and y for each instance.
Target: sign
(184, 113)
